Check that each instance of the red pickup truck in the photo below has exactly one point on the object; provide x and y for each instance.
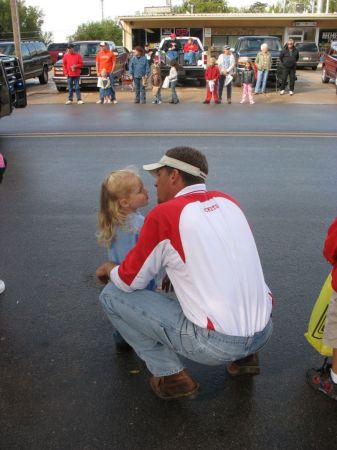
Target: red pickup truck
(329, 64)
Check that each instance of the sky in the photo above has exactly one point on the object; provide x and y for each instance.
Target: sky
(62, 17)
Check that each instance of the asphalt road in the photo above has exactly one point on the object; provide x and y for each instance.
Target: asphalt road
(62, 384)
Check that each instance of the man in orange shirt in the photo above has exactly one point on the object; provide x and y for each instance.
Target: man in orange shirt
(106, 59)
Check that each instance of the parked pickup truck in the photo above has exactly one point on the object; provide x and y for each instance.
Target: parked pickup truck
(36, 59)
(329, 64)
(186, 71)
(12, 85)
(89, 50)
(248, 47)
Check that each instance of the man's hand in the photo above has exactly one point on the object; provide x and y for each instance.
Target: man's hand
(103, 272)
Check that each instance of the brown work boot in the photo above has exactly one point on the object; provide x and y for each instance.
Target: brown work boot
(173, 386)
(245, 366)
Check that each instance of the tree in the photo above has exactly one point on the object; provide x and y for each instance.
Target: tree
(258, 7)
(107, 30)
(31, 20)
(202, 6)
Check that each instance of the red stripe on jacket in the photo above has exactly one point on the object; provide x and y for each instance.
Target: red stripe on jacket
(330, 251)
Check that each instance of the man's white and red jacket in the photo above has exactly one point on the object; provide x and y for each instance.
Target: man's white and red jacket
(206, 246)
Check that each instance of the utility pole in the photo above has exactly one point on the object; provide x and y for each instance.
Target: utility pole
(284, 6)
(327, 6)
(16, 30)
(102, 7)
(319, 6)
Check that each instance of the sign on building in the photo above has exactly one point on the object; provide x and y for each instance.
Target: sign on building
(328, 35)
(208, 32)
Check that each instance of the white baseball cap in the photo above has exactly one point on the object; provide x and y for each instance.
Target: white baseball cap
(175, 164)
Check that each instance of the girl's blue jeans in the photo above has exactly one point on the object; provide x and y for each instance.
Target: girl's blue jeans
(157, 329)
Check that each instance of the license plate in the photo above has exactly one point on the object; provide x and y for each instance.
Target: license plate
(305, 58)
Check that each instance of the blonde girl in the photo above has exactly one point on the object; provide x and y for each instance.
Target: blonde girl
(119, 222)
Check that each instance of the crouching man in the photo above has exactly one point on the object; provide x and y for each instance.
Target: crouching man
(203, 241)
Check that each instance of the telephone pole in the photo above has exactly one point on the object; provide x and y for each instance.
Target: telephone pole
(16, 29)
(102, 8)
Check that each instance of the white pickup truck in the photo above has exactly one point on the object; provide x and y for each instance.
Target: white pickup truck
(186, 71)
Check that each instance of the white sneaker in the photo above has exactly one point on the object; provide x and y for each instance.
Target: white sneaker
(252, 103)
(69, 102)
(281, 92)
(99, 102)
(242, 101)
(159, 102)
(80, 102)
(2, 286)
(291, 93)
(114, 102)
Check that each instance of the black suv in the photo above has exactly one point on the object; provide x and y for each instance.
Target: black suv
(35, 56)
(12, 85)
(249, 47)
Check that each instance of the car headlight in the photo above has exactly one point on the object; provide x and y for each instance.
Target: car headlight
(93, 71)
(58, 70)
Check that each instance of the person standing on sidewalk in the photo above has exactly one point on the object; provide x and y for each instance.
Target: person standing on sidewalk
(204, 242)
(212, 76)
(247, 78)
(289, 57)
(106, 59)
(263, 62)
(140, 72)
(72, 64)
(226, 63)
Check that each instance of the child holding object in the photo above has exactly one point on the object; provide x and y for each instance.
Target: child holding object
(104, 85)
(156, 81)
(119, 221)
(248, 77)
(212, 75)
(173, 78)
(325, 379)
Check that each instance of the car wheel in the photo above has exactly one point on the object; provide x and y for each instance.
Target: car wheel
(314, 68)
(61, 88)
(325, 78)
(43, 78)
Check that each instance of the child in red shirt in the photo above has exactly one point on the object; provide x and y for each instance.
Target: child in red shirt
(325, 380)
(212, 75)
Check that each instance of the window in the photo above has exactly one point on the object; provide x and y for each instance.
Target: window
(31, 48)
(87, 49)
(306, 47)
(25, 51)
(57, 47)
(7, 48)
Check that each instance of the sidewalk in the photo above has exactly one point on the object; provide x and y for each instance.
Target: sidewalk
(309, 90)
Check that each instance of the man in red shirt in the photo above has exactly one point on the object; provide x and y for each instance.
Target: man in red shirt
(72, 64)
(325, 379)
(190, 52)
(106, 59)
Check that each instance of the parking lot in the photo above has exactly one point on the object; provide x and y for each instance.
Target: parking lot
(309, 89)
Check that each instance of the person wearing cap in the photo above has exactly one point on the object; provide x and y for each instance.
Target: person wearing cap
(226, 63)
(205, 244)
(106, 59)
(172, 47)
(72, 64)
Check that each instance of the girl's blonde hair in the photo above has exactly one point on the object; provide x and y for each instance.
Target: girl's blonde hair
(116, 186)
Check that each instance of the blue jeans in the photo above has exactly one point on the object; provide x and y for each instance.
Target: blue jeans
(139, 90)
(157, 97)
(190, 57)
(174, 96)
(261, 83)
(172, 54)
(156, 328)
(74, 82)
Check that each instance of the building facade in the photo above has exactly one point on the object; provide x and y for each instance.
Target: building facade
(216, 30)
